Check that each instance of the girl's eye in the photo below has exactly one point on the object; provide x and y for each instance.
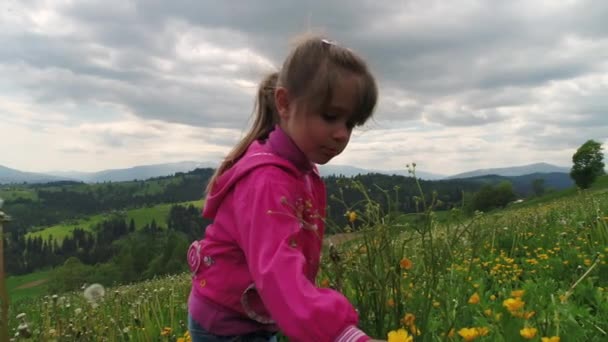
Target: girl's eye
(329, 117)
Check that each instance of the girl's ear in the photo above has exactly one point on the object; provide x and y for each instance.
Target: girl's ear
(281, 99)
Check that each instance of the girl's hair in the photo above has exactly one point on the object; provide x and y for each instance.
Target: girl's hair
(310, 73)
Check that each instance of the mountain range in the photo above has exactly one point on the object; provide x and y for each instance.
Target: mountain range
(9, 175)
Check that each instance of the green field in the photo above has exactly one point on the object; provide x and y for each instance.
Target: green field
(140, 216)
(524, 273)
(24, 286)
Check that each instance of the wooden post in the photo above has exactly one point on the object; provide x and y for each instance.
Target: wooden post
(3, 290)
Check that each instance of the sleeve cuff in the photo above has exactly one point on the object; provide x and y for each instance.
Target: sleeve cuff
(352, 334)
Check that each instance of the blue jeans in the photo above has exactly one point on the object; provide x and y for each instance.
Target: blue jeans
(198, 334)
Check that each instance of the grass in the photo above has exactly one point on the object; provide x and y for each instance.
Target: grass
(14, 193)
(140, 216)
(18, 285)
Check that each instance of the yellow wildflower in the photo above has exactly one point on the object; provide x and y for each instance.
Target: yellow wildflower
(325, 283)
(390, 303)
(550, 339)
(166, 331)
(409, 319)
(468, 334)
(474, 299)
(400, 335)
(352, 216)
(528, 333)
(517, 293)
(513, 304)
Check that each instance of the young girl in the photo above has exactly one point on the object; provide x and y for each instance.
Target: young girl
(254, 272)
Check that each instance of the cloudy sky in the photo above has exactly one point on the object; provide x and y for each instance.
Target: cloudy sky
(92, 85)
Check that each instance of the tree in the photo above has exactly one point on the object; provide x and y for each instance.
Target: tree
(587, 164)
(538, 185)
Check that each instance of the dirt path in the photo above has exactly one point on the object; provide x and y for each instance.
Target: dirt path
(32, 284)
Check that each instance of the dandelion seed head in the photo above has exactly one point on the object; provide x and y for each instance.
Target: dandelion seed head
(94, 293)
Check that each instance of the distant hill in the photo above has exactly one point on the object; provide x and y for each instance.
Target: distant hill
(8, 176)
(137, 172)
(349, 171)
(522, 185)
(514, 171)
(143, 172)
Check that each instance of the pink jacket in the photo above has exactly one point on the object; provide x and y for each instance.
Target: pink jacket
(256, 267)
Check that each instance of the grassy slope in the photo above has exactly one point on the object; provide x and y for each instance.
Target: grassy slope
(140, 216)
(28, 285)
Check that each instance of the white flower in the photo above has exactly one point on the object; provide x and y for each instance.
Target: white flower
(94, 293)
(77, 311)
(21, 315)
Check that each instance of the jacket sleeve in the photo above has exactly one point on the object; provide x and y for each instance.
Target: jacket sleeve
(302, 311)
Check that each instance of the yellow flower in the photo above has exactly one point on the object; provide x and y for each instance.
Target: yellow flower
(400, 335)
(181, 339)
(409, 319)
(325, 283)
(550, 339)
(406, 263)
(513, 304)
(390, 302)
(468, 334)
(528, 333)
(492, 297)
(474, 299)
(166, 331)
(517, 293)
(352, 216)
(436, 304)
(488, 312)
(529, 314)
(483, 331)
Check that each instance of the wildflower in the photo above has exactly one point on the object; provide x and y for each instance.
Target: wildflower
(390, 303)
(166, 331)
(21, 315)
(400, 335)
(352, 216)
(94, 293)
(436, 304)
(406, 263)
(517, 293)
(474, 299)
(513, 305)
(468, 334)
(528, 333)
(493, 297)
(488, 312)
(529, 314)
(550, 339)
(325, 283)
(409, 319)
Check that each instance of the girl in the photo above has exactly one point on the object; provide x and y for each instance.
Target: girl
(254, 272)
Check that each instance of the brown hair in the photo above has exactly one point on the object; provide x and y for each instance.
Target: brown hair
(310, 73)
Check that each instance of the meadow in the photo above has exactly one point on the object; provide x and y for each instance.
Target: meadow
(534, 271)
(140, 217)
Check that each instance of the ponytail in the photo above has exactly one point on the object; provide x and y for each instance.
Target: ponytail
(266, 117)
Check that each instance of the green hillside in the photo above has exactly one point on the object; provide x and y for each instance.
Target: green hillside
(536, 269)
(140, 216)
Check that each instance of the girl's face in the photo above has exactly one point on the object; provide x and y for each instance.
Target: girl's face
(320, 136)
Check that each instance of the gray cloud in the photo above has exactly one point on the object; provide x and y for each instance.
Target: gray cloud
(534, 73)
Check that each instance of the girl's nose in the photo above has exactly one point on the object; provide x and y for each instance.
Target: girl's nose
(341, 133)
